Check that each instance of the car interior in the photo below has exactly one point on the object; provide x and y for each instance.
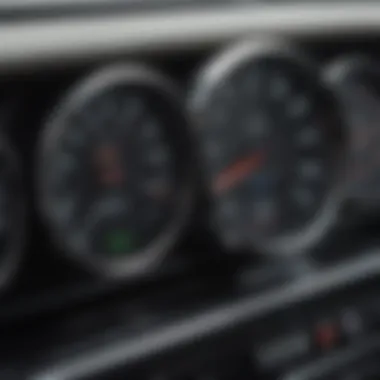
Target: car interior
(189, 190)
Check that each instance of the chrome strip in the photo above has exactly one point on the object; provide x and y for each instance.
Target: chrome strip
(207, 323)
(58, 41)
(20, 5)
(15, 5)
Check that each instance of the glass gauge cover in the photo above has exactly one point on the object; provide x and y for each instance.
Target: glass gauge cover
(115, 170)
(271, 143)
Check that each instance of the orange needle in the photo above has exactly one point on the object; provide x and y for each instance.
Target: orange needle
(235, 173)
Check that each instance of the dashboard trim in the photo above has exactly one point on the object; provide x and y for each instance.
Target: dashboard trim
(51, 41)
(210, 322)
(318, 369)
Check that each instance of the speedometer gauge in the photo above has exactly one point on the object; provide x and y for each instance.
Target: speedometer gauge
(115, 170)
(271, 143)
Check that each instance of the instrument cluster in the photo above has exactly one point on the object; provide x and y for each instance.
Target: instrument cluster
(277, 144)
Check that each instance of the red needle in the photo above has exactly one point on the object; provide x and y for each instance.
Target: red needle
(108, 162)
(237, 172)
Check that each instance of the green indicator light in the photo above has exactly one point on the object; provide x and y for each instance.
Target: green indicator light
(119, 241)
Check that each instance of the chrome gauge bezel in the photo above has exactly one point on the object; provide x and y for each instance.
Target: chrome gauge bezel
(147, 259)
(216, 71)
(14, 253)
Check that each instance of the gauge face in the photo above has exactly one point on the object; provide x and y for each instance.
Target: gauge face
(12, 218)
(115, 172)
(357, 83)
(269, 143)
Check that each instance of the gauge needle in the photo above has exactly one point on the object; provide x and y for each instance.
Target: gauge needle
(237, 172)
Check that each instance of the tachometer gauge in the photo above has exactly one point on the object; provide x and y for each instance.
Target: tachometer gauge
(115, 170)
(356, 81)
(12, 213)
(271, 143)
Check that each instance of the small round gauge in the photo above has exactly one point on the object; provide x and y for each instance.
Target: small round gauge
(115, 170)
(356, 81)
(12, 213)
(271, 143)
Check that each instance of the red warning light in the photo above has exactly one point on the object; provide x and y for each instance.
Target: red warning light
(326, 336)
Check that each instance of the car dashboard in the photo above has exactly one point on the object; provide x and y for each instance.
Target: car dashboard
(189, 190)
